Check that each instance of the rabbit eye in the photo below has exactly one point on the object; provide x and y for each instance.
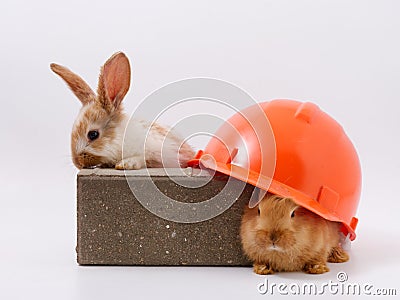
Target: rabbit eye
(93, 134)
(292, 215)
(258, 211)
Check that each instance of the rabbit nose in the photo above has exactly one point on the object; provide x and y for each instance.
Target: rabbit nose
(77, 161)
(273, 237)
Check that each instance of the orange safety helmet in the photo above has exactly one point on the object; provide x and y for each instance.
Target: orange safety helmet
(298, 152)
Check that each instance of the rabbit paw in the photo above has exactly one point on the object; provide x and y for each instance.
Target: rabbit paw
(338, 255)
(262, 269)
(130, 163)
(315, 268)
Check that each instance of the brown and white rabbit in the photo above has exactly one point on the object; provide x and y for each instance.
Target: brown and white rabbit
(98, 133)
(278, 235)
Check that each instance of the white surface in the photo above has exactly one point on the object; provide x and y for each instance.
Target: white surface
(342, 55)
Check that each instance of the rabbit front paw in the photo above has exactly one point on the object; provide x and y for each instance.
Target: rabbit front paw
(130, 163)
(262, 269)
(315, 268)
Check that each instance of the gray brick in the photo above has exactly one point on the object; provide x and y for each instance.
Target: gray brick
(115, 229)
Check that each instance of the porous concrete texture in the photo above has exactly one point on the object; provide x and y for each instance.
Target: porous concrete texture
(114, 228)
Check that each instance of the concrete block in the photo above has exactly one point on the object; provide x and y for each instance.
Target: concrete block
(114, 228)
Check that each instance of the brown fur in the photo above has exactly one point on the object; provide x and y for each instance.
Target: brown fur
(305, 242)
(78, 86)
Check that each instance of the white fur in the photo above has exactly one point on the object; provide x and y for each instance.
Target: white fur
(275, 248)
(141, 143)
(82, 141)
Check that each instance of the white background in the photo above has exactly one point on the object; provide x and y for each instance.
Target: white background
(342, 55)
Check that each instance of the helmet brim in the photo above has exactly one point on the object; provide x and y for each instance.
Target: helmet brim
(275, 187)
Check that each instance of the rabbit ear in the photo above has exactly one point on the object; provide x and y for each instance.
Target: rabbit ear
(114, 80)
(78, 86)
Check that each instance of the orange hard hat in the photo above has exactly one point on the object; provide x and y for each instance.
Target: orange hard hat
(291, 149)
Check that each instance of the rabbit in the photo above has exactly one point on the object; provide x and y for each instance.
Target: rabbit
(98, 133)
(278, 235)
